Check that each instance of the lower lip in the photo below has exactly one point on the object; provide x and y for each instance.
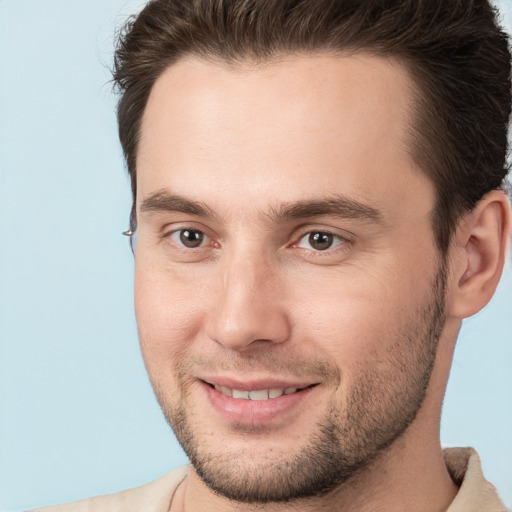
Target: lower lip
(253, 412)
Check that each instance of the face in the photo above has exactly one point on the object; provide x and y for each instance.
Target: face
(289, 295)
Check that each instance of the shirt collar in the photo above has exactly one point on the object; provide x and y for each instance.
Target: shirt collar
(475, 494)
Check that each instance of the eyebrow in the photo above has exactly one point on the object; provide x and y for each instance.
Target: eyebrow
(162, 201)
(334, 206)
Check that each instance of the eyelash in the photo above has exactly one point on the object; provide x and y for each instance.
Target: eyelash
(182, 246)
(336, 241)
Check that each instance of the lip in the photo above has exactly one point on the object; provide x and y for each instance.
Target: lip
(254, 412)
(255, 384)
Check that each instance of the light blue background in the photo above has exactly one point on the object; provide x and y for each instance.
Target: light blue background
(77, 415)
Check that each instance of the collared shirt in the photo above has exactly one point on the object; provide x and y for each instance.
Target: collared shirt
(475, 494)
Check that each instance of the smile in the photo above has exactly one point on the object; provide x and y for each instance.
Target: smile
(260, 394)
(255, 402)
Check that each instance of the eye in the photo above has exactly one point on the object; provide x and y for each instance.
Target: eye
(190, 238)
(319, 241)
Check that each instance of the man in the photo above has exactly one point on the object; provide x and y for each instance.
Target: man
(318, 204)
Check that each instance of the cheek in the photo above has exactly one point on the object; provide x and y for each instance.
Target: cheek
(356, 317)
(353, 307)
(169, 316)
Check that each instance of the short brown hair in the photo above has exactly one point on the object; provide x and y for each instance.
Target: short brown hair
(454, 50)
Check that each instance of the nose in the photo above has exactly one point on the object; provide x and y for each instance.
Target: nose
(249, 305)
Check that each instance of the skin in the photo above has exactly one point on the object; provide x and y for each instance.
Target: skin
(362, 320)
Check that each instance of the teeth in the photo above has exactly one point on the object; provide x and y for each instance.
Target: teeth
(275, 393)
(261, 394)
(241, 394)
(258, 395)
(225, 390)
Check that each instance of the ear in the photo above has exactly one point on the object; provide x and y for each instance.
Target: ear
(477, 255)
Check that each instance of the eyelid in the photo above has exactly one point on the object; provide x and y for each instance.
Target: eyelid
(345, 239)
(174, 236)
(174, 228)
(304, 230)
(336, 240)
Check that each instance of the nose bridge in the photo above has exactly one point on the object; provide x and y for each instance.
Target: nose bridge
(246, 268)
(249, 306)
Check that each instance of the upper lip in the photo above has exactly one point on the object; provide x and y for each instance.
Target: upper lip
(256, 384)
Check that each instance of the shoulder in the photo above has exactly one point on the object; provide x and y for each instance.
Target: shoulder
(154, 496)
(475, 494)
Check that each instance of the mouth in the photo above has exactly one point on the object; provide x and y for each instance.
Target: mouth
(257, 394)
(257, 402)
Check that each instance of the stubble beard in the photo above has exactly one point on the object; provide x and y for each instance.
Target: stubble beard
(349, 438)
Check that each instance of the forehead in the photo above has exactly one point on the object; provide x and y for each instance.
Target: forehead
(299, 126)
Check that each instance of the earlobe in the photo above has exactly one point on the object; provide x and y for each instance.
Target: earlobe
(480, 248)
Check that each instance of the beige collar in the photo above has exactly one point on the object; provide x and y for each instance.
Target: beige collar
(476, 494)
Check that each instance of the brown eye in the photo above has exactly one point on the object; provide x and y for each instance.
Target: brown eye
(320, 241)
(190, 238)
